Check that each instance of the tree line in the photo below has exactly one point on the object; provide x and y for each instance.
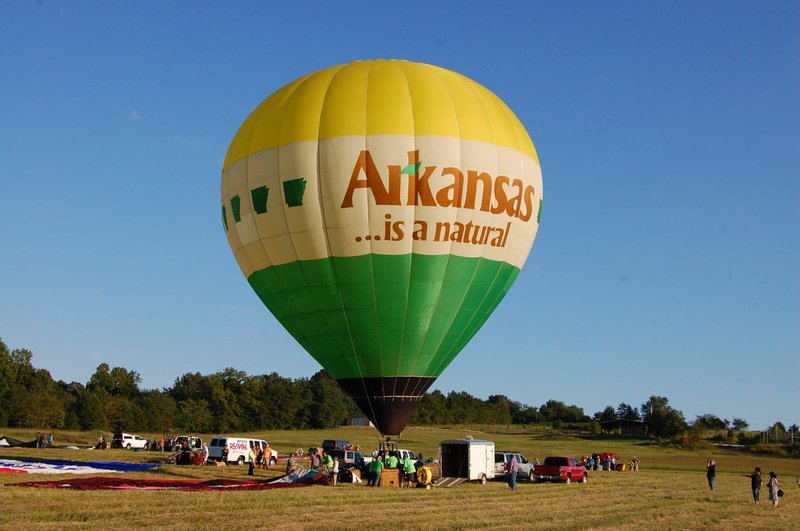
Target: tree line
(233, 401)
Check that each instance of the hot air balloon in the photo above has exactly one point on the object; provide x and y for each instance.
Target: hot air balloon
(381, 210)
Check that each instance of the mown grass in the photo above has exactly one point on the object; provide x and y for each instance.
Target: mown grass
(670, 492)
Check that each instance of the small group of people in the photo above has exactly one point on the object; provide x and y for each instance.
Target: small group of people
(390, 460)
(322, 461)
(603, 461)
(756, 482)
(257, 457)
(44, 441)
(159, 445)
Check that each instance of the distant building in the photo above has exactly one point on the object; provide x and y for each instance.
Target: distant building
(358, 420)
(635, 428)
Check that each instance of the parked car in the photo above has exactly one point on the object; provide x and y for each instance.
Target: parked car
(348, 458)
(503, 458)
(560, 468)
(127, 441)
(236, 449)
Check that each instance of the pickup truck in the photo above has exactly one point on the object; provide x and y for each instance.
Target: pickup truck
(566, 469)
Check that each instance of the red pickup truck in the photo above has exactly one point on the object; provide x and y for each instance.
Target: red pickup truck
(566, 469)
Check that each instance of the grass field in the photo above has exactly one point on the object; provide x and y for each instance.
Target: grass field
(670, 491)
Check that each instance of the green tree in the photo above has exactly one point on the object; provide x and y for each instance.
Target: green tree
(628, 412)
(123, 414)
(739, 424)
(159, 411)
(190, 385)
(92, 411)
(555, 410)
(662, 420)
(524, 414)
(101, 380)
(609, 413)
(710, 422)
(195, 416)
(499, 409)
(463, 407)
(432, 409)
(330, 405)
(7, 377)
(125, 382)
(285, 402)
(777, 429)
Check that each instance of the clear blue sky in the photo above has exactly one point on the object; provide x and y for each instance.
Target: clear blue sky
(668, 258)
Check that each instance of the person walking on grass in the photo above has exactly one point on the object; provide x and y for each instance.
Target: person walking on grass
(755, 483)
(513, 468)
(774, 491)
(711, 473)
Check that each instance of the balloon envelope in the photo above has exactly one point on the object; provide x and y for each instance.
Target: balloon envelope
(381, 210)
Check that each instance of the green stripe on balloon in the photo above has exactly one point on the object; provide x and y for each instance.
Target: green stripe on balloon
(384, 315)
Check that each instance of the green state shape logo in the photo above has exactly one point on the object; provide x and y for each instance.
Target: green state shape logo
(293, 191)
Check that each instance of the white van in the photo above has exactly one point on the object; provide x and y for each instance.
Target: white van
(235, 449)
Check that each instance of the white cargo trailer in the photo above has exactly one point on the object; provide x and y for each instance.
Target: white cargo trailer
(465, 459)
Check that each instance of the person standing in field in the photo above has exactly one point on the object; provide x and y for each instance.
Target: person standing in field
(513, 468)
(375, 469)
(251, 461)
(772, 485)
(335, 471)
(327, 461)
(314, 459)
(755, 483)
(711, 473)
(410, 471)
(259, 456)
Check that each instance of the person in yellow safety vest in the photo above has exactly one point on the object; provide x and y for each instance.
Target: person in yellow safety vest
(391, 461)
(410, 471)
(251, 461)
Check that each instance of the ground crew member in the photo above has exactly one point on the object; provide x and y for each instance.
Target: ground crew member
(251, 460)
(327, 461)
(410, 471)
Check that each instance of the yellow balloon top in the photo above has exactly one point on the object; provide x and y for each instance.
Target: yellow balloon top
(379, 97)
